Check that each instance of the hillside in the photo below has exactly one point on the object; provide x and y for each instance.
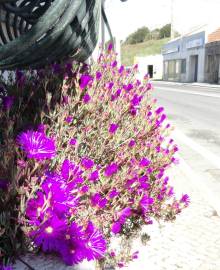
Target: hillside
(128, 52)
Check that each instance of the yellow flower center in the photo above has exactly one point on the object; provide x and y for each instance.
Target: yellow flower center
(49, 229)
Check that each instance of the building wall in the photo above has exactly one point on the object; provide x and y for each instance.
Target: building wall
(155, 60)
(183, 51)
(212, 62)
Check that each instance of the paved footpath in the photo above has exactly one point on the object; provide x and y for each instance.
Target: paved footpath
(192, 242)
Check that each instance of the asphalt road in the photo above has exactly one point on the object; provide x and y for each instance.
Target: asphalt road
(195, 113)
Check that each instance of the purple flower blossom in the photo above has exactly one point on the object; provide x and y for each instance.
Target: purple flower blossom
(114, 193)
(65, 169)
(128, 87)
(110, 47)
(34, 209)
(118, 92)
(132, 143)
(95, 199)
(145, 202)
(50, 234)
(7, 102)
(144, 162)
(116, 227)
(73, 141)
(102, 203)
(69, 119)
(56, 68)
(136, 100)
(185, 199)
(111, 169)
(94, 176)
(84, 81)
(4, 184)
(135, 255)
(159, 110)
(95, 247)
(98, 75)
(86, 98)
(110, 85)
(37, 145)
(114, 63)
(113, 127)
(121, 69)
(124, 214)
(87, 163)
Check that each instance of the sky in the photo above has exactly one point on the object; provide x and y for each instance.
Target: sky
(126, 17)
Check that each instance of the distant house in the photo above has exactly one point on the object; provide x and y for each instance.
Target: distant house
(212, 65)
(152, 64)
(184, 58)
(194, 57)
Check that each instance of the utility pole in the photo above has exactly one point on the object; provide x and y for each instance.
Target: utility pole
(172, 21)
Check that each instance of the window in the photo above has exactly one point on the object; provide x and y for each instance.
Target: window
(183, 66)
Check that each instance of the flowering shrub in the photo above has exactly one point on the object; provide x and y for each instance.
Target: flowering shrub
(90, 165)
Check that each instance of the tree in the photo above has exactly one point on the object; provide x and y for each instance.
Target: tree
(165, 31)
(138, 36)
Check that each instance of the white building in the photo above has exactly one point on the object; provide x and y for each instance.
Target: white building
(152, 64)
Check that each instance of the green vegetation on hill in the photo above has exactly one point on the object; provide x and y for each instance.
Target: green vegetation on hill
(150, 47)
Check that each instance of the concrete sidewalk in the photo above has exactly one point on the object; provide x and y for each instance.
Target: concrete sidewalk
(192, 242)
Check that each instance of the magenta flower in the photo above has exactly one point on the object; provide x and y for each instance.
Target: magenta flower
(95, 247)
(86, 98)
(159, 110)
(37, 145)
(128, 87)
(95, 199)
(4, 184)
(116, 227)
(185, 199)
(113, 127)
(124, 214)
(144, 162)
(34, 210)
(114, 193)
(114, 63)
(87, 163)
(110, 47)
(145, 202)
(69, 119)
(84, 81)
(111, 169)
(49, 236)
(73, 141)
(135, 255)
(132, 143)
(98, 75)
(94, 176)
(7, 102)
(72, 251)
(65, 169)
(121, 69)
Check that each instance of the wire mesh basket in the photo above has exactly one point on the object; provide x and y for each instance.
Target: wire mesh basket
(37, 32)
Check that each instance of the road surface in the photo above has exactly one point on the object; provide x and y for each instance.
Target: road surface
(195, 112)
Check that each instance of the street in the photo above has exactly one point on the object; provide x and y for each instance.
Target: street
(194, 111)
